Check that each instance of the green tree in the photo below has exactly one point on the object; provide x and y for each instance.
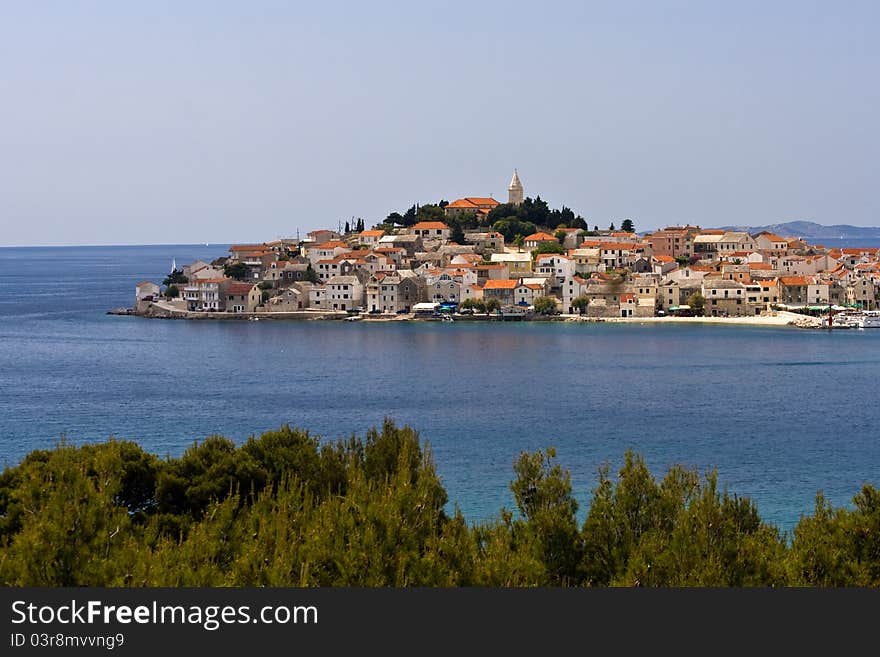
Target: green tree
(543, 494)
(503, 211)
(492, 304)
(628, 226)
(477, 305)
(176, 277)
(518, 241)
(579, 222)
(564, 217)
(311, 275)
(547, 247)
(410, 217)
(697, 302)
(431, 213)
(535, 211)
(172, 292)
(510, 228)
(545, 305)
(580, 303)
(236, 270)
(457, 234)
(560, 235)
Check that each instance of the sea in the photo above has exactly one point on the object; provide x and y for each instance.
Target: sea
(778, 413)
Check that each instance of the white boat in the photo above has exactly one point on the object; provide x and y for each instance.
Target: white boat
(868, 319)
(857, 319)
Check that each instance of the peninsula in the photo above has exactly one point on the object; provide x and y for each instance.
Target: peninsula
(478, 258)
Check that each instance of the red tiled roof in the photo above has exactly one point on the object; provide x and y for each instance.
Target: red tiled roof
(239, 288)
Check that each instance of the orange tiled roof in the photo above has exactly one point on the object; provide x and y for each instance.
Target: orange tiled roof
(473, 202)
(372, 233)
(506, 284)
(430, 225)
(794, 280)
(330, 245)
(540, 237)
(664, 258)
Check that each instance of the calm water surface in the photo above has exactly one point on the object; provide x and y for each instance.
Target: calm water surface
(780, 413)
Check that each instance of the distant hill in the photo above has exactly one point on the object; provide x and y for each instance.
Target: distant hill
(813, 231)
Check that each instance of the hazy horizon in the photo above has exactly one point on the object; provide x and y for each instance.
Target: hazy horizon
(220, 122)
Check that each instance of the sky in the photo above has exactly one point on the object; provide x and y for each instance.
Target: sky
(189, 122)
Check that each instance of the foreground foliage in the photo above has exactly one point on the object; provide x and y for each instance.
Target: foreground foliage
(286, 509)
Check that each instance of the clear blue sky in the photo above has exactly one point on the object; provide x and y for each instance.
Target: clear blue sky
(167, 121)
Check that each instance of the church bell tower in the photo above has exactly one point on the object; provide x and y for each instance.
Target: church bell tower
(515, 190)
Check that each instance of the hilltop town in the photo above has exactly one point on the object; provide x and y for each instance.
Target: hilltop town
(476, 256)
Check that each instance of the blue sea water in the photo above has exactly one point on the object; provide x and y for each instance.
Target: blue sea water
(780, 413)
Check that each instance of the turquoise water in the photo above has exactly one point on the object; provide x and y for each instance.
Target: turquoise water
(781, 413)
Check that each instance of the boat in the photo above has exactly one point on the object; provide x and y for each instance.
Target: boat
(868, 319)
(858, 319)
(446, 318)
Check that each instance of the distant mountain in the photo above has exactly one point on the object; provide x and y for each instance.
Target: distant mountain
(813, 231)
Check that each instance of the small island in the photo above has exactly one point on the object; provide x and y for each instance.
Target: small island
(477, 259)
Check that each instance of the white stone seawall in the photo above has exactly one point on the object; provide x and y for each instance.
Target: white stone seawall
(779, 318)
